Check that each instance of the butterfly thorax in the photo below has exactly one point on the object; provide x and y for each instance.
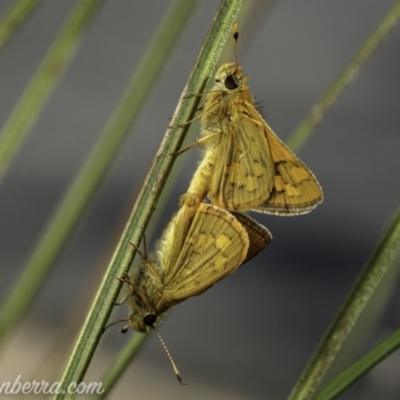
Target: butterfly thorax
(227, 99)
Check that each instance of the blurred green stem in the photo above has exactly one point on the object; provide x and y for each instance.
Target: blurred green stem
(12, 19)
(388, 246)
(84, 187)
(360, 368)
(44, 80)
(123, 359)
(306, 127)
(147, 199)
(346, 317)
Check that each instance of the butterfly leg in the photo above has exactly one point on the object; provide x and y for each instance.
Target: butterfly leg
(185, 123)
(196, 143)
(203, 111)
(119, 303)
(115, 323)
(124, 278)
(146, 263)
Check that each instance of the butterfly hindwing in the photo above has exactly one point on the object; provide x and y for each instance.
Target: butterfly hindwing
(296, 191)
(259, 235)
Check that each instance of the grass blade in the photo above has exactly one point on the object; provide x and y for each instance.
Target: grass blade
(84, 187)
(44, 80)
(360, 368)
(145, 204)
(360, 293)
(14, 17)
(123, 359)
(349, 73)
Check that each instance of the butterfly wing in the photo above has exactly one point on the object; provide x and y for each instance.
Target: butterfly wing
(215, 246)
(295, 189)
(259, 235)
(243, 168)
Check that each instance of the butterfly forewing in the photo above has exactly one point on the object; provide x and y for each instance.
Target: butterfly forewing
(199, 247)
(215, 246)
(243, 168)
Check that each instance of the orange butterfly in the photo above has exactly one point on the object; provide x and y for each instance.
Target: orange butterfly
(245, 165)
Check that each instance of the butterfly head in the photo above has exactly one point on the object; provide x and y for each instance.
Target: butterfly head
(229, 78)
(141, 320)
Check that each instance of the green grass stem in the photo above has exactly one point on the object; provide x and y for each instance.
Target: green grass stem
(369, 278)
(147, 199)
(44, 80)
(360, 368)
(73, 205)
(307, 126)
(13, 18)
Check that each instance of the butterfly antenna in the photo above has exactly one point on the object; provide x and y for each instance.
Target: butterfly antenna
(235, 39)
(178, 375)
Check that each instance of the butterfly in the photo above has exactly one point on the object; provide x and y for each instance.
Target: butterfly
(245, 165)
(199, 247)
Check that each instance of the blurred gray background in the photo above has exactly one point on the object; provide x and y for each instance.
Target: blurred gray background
(250, 336)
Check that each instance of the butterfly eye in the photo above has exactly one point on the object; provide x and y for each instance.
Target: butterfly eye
(150, 319)
(231, 82)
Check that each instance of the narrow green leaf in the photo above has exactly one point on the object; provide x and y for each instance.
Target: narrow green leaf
(369, 278)
(123, 359)
(360, 368)
(146, 202)
(83, 189)
(12, 19)
(45, 80)
(348, 75)
(130, 350)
